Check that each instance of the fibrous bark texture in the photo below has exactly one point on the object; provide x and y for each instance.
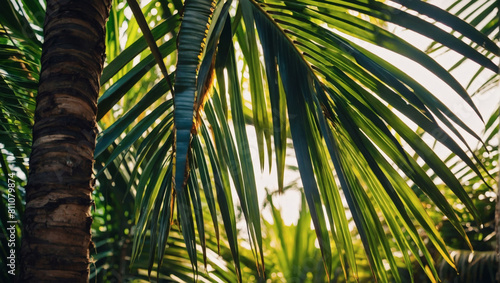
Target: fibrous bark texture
(57, 236)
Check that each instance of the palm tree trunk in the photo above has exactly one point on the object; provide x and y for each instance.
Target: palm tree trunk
(57, 236)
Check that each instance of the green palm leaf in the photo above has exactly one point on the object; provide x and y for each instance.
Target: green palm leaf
(316, 87)
(192, 34)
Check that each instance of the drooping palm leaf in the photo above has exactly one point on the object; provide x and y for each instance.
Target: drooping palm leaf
(315, 87)
(191, 38)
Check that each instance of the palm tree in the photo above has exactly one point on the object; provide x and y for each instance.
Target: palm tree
(56, 238)
(312, 83)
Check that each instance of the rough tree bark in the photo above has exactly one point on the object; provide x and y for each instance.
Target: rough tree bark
(56, 236)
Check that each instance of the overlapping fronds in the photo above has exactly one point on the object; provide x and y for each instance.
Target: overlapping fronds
(338, 99)
(295, 70)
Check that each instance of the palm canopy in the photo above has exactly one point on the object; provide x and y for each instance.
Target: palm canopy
(336, 97)
(182, 144)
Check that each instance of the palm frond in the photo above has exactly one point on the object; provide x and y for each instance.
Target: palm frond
(324, 100)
